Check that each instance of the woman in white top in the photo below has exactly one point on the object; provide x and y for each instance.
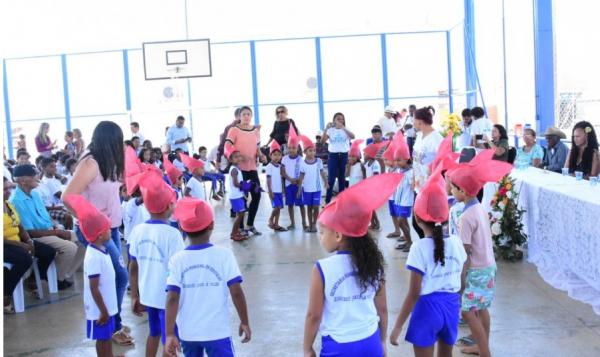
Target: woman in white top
(339, 144)
(426, 146)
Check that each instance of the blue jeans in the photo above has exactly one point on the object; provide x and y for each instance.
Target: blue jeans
(113, 247)
(214, 177)
(336, 168)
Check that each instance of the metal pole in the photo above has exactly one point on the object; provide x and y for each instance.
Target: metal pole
(504, 66)
(384, 69)
(9, 138)
(65, 77)
(449, 61)
(320, 84)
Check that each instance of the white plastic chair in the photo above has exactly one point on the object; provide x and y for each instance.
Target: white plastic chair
(19, 294)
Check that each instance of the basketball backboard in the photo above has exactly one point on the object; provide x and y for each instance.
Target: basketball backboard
(177, 59)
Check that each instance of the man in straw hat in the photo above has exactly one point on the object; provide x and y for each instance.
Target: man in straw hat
(557, 150)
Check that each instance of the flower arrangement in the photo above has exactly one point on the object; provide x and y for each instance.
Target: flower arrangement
(506, 221)
(451, 121)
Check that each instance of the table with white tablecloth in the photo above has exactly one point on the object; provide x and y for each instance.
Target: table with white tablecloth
(563, 225)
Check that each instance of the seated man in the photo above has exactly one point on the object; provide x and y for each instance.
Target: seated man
(556, 154)
(50, 190)
(36, 220)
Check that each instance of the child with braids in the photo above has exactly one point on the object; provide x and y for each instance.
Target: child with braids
(436, 263)
(347, 302)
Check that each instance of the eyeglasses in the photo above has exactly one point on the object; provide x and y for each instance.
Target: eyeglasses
(280, 111)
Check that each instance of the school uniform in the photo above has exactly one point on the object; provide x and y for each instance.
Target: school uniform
(152, 244)
(374, 168)
(311, 184)
(401, 202)
(436, 313)
(350, 323)
(274, 172)
(97, 264)
(292, 169)
(202, 275)
(134, 214)
(172, 219)
(196, 188)
(236, 195)
(356, 174)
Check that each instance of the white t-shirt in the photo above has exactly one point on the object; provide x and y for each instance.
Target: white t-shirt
(424, 152)
(196, 188)
(482, 126)
(373, 168)
(410, 133)
(235, 192)
(312, 175)
(178, 164)
(437, 278)
(348, 314)
(356, 174)
(98, 263)
(134, 214)
(464, 139)
(388, 125)
(292, 167)
(202, 274)
(456, 211)
(404, 195)
(152, 244)
(339, 141)
(48, 188)
(275, 173)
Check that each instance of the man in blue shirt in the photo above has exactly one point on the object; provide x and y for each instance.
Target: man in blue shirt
(556, 154)
(36, 220)
(178, 136)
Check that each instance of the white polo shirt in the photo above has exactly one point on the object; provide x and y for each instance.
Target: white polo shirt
(196, 188)
(374, 168)
(134, 214)
(97, 263)
(152, 244)
(202, 274)
(292, 167)
(312, 175)
(274, 171)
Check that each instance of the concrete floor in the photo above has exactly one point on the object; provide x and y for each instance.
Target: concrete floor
(529, 318)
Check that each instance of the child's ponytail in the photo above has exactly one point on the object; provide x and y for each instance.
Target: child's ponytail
(438, 242)
(368, 260)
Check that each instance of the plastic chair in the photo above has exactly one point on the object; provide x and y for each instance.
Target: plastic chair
(19, 295)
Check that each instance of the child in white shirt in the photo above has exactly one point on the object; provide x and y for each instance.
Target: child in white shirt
(311, 174)
(355, 171)
(236, 195)
(275, 186)
(372, 168)
(194, 186)
(290, 170)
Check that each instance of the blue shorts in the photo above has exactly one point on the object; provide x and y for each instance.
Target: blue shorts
(435, 316)
(311, 198)
(158, 323)
(277, 201)
(217, 348)
(370, 346)
(291, 198)
(238, 205)
(399, 211)
(100, 332)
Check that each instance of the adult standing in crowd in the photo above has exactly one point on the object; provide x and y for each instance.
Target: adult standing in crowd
(465, 138)
(584, 155)
(499, 143)
(409, 127)
(556, 153)
(246, 139)
(39, 225)
(530, 154)
(19, 248)
(481, 128)
(223, 137)
(281, 127)
(135, 131)
(426, 146)
(79, 142)
(70, 148)
(98, 177)
(387, 123)
(339, 144)
(178, 136)
(42, 141)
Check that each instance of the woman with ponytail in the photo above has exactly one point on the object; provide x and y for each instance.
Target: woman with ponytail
(347, 291)
(436, 264)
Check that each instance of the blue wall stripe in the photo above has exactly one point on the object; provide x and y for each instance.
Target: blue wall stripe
(65, 77)
(504, 67)
(544, 64)
(384, 69)
(320, 83)
(189, 90)
(9, 138)
(254, 82)
(126, 74)
(469, 44)
(449, 60)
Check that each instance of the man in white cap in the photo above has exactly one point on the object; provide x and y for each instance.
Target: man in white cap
(388, 123)
(557, 150)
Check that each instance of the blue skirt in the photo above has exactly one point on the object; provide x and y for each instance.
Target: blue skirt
(370, 346)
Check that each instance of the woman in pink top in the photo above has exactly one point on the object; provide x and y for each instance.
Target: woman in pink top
(43, 143)
(246, 138)
(98, 178)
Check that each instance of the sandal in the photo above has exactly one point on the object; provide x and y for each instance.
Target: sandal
(9, 309)
(306, 229)
(406, 248)
(254, 231)
(394, 235)
(465, 341)
(238, 237)
(291, 227)
(279, 229)
(313, 230)
(216, 197)
(122, 338)
(400, 245)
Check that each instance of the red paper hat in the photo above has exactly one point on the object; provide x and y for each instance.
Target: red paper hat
(193, 214)
(445, 154)
(191, 163)
(371, 150)
(133, 165)
(306, 142)
(355, 148)
(388, 154)
(401, 150)
(229, 149)
(156, 193)
(91, 221)
(431, 204)
(350, 214)
(293, 140)
(274, 146)
(131, 182)
(472, 176)
(173, 173)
